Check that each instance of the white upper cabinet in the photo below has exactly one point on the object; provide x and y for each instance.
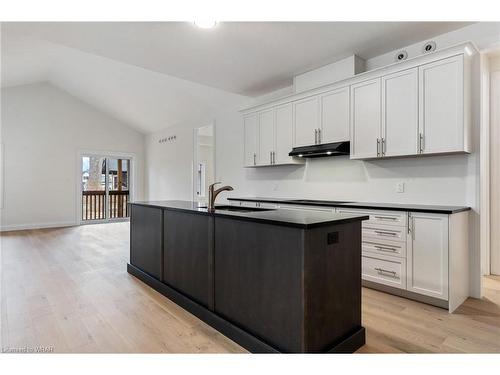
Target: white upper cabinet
(251, 123)
(400, 113)
(366, 119)
(269, 137)
(307, 122)
(442, 126)
(427, 255)
(335, 116)
(284, 134)
(266, 137)
(418, 106)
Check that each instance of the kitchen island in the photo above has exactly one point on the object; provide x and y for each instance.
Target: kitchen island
(271, 280)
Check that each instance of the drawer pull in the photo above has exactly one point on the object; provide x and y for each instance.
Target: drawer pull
(392, 234)
(391, 249)
(381, 270)
(386, 218)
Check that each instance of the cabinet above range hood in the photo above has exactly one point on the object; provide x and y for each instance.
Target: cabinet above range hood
(319, 151)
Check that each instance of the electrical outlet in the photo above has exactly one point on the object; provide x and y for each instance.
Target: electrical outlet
(400, 187)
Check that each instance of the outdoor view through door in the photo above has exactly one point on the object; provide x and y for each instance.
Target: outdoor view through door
(105, 187)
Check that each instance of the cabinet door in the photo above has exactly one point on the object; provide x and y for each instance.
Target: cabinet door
(335, 116)
(146, 248)
(442, 106)
(365, 119)
(284, 134)
(400, 113)
(251, 123)
(427, 255)
(306, 121)
(266, 137)
(188, 254)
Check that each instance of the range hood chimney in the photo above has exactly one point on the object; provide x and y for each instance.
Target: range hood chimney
(319, 151)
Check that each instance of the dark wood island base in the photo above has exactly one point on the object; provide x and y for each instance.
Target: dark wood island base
(272, 281)
(347, 344)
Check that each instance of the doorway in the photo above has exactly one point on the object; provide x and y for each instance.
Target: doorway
(204, 164)
(105, 188)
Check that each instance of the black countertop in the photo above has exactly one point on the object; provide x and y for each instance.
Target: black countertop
(299, 219)
(365, 205)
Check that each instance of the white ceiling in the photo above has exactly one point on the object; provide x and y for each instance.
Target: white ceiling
(143, 99)
(247, 58)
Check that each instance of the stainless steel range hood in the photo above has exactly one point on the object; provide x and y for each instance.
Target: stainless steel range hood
(319, 151)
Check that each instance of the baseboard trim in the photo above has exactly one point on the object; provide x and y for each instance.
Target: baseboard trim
(56, 224)
(406, 294)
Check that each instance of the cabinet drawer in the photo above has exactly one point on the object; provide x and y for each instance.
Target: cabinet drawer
(388, 271)
(376, 233)
(392, 248)
(392, 218)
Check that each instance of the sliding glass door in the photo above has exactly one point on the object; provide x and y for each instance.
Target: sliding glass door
(105, 188)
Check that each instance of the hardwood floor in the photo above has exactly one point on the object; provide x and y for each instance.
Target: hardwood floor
(67, 290)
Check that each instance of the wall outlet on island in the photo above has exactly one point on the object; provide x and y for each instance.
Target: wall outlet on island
(400, 187)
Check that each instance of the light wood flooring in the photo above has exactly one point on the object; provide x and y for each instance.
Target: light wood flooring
(68, 290)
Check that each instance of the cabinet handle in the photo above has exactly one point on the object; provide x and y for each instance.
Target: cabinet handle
(319, 136)
(381, 270)
(421, 142)
(315, 136)
(382, 233)
(408, 223)
(383, 147)
(274, 157)
(378, 147)
(270, 157)
(254, 157)
(383, 248)
(386, 218)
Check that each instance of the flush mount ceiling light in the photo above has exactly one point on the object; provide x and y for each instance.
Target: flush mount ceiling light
(205, 24)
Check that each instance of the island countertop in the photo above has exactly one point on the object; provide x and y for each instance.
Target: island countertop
(292, 218)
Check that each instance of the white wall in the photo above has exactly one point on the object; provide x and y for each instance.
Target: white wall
(495, 165)
(43, 129)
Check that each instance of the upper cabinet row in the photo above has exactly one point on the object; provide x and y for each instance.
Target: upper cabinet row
(416, 111)
(271, 134)
(423, 109)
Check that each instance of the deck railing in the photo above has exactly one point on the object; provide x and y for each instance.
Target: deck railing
(94, 204)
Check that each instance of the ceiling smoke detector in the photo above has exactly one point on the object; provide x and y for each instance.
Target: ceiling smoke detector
(401, 55)
(429, 47)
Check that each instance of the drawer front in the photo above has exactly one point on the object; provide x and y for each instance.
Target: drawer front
(392, 248)
(372, 233)
(388, 271)
(392, 218)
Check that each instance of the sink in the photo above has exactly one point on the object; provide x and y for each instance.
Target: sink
(239, 209)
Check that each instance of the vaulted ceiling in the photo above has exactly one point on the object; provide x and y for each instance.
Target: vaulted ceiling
(155, 75)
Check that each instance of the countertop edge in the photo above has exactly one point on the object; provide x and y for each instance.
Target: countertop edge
(357, 205)
(257, 219)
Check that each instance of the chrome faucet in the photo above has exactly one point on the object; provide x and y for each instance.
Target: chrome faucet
(212, 194)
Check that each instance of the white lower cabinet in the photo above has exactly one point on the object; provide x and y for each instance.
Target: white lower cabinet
(385, 270)
(427, 255)
(410, 251)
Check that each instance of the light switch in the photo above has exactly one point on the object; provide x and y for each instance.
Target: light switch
(400, 187)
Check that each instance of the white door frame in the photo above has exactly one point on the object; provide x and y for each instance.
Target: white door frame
(107, 154)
